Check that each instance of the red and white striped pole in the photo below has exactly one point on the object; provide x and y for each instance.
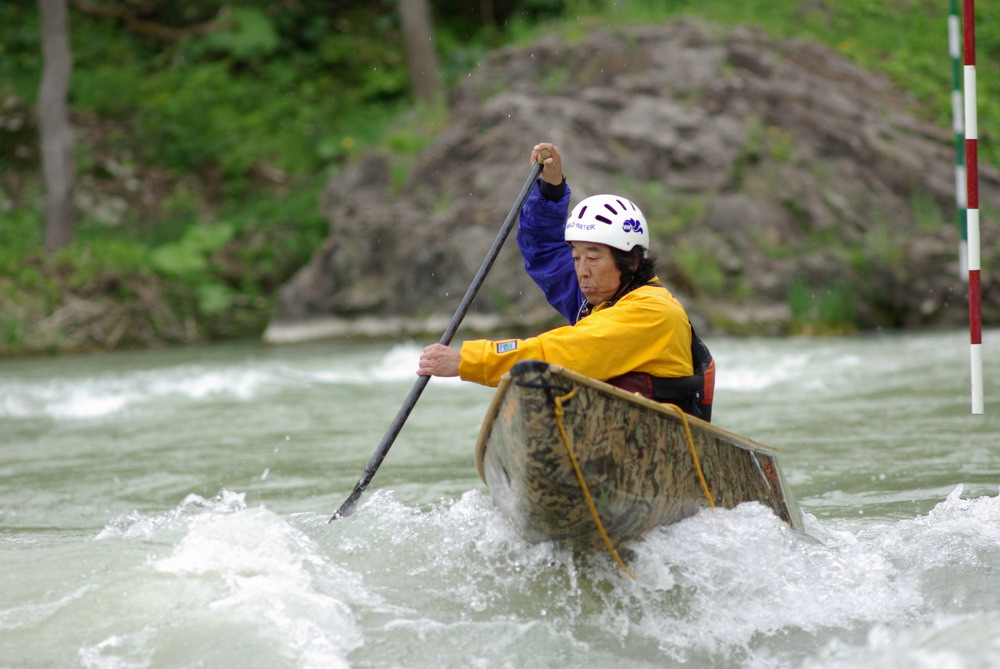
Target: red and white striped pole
(972, 203)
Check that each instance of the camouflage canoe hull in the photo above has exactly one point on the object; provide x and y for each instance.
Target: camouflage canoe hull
(634, 455)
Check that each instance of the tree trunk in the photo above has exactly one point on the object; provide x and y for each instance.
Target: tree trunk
(418, 37)
(55, 132)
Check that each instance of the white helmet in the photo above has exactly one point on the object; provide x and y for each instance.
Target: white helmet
(608, 219)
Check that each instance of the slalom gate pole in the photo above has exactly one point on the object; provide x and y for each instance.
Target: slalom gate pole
(955, 52)
(972, 201)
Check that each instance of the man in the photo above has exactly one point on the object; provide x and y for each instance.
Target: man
(626, 328)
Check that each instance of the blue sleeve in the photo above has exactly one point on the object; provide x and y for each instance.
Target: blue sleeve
(547, 258)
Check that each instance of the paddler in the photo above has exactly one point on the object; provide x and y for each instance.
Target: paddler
(594, 267)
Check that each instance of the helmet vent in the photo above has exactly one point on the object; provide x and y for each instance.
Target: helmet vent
(612, 220)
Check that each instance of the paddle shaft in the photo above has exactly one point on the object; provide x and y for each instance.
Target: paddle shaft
(449, 332)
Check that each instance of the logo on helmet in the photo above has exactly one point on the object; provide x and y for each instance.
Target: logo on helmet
(632, 225)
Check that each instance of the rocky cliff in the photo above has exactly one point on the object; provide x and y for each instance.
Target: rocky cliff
(786, 190)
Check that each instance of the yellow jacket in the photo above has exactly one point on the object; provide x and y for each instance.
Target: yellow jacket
(646, 330)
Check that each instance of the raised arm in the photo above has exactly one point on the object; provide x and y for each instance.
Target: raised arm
(540, 236)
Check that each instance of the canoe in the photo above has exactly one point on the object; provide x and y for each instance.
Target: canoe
(639, 468)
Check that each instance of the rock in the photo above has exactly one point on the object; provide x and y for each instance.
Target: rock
(760, 164)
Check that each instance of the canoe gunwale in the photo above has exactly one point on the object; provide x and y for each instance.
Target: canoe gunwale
(666, 409)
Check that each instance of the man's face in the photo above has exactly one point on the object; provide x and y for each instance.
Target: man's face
(596, 271)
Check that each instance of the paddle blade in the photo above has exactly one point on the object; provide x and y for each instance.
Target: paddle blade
(347, 508)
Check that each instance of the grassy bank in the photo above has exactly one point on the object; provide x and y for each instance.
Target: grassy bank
(203, 159)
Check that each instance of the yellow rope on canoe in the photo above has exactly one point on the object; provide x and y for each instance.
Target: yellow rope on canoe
(694, 455)
(560, 412)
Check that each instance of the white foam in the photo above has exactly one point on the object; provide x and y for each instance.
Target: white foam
(109, 394)
(733, 583)
(268, 574)
(747, 574)
(757, 374)
(237, 571)
(139, 525)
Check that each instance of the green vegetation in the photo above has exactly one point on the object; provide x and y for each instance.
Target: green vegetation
(771, 142)
(825, 310)
(702, 267)
(926, 213)
(227, 136)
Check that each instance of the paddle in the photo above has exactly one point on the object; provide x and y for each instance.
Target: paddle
(404, 411)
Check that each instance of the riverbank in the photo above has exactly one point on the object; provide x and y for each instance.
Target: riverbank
(786, 190)
(793, 188)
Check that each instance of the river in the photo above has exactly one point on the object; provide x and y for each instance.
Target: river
(169, 509)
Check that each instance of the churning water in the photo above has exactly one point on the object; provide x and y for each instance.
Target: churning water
(169, 509)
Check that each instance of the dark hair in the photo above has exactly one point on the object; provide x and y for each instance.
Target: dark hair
(644, 271)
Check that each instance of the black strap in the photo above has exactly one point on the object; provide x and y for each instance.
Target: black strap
(701, 357)
(687, 391)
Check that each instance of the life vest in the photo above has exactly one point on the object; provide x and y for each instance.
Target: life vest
(693, 394)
